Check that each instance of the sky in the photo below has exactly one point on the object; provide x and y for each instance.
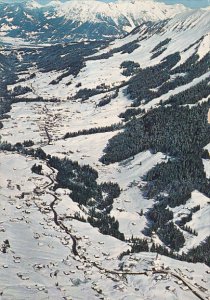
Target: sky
(190, 3)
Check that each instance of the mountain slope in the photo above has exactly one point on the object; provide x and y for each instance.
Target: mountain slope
(105, 166)
(185, 34)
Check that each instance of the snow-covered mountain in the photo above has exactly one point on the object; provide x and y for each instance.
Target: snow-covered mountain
(76, 20)
(105, 166)
(134, 11)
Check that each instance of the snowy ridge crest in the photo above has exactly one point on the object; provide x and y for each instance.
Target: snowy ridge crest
(135, 9)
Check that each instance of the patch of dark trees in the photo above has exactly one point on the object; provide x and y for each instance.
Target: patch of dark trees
(20, 90)
(85, 94)
(160, 45)
(149, 28)
(98, 198)
(138, 245)
(158, 53)
(94, 130)
(129, 68)
(131, 112)
(189, 230)
(160, 48)
(171, 236)
(153, 82)
(192, 95)
(160, 218)
(188, 217)
(37, 169)
(108, 98)
(31, 100)
(193, 44)
(141, 85)
(5, 106)
(28, 143)
(126, 48)
(20, 148)
(9, 66)
(200, 253)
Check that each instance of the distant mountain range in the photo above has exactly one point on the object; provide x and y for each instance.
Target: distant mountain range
(79, 20)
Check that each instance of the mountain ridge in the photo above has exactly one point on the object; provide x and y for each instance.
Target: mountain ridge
(84, 20)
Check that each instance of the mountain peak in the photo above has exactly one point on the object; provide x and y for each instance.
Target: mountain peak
(136, 9)
(33, 4)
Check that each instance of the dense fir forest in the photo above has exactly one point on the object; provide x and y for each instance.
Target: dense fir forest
(173, 130)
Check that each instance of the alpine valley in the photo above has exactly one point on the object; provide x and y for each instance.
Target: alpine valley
(104, 151)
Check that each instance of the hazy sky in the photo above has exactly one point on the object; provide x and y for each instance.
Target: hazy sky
(191, 3)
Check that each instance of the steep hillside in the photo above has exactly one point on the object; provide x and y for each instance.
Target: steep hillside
(105, 156)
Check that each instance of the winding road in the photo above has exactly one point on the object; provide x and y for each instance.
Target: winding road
(52, 206)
